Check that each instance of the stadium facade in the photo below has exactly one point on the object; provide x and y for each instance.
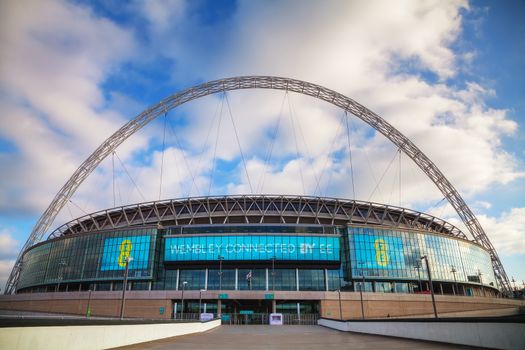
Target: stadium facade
(258, 253)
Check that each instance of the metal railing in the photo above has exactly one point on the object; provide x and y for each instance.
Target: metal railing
(263, 319)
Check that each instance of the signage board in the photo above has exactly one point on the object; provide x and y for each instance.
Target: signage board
(246, 312)
(269, 296)
(118, 250)
(252, 247)
(379, 252)
(223, 296)
(276, 319)
(205, 316)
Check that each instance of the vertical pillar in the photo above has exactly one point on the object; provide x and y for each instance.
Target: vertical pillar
(219, 308)
(236, 279)
(267, 287)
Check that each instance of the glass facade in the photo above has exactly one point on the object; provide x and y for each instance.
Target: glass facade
(288, 258)
(100, 256)
(228, 279)
(396, 255)
(312, 280)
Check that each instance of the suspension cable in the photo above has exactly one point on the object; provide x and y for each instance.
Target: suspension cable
(383, 175)
(163, 151)
(113, 173)
(119, 192)
(350, 153)
(400, 154)
(269, 152)
(238, 142)
(202, 153)
(307, 149)
(212, 173)
(69, 210)
(131, 178)
(330, 149)
(76, 205)
(296, 144)
(179, 146)
(395, 182)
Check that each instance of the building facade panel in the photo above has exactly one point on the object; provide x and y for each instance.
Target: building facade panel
(256, 257)
(100, 256)
(378, 253)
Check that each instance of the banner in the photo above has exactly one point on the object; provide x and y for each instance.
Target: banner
(252, 247)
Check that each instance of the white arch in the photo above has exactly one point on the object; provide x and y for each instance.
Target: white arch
(262, 82)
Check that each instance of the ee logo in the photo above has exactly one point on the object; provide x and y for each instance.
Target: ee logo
(125, 250)
(381, 252)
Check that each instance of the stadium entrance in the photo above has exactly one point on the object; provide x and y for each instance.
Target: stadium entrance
(247, 312)
(250, 311)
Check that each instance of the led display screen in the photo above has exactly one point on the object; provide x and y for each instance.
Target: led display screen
(252, 247)
(118, 250)
(378, 252)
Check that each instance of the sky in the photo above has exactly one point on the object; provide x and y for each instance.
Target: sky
(447, 74)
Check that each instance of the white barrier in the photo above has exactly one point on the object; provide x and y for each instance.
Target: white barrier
(496, 335)
(96, 336)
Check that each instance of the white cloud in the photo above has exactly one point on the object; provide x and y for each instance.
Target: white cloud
(5, 269)
(54, 57)
(507, 232)
(9, 248)
(8, 245)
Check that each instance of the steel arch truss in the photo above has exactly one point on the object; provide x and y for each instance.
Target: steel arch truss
(263, 82)
(257, 209)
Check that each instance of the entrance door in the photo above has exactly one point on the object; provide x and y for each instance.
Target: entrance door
(246, 312)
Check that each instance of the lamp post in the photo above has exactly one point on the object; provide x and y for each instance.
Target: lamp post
(455, 287)
(184, 283)
(200, 300)
(124, 287)
(361, 290)
(417, 267)
(481, 282)
(88, 309)
(431, 285)
(273, 272)
(340, 305)
(61, 265)
(221, 258)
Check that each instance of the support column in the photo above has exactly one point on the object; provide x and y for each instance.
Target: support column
(219, 308)
(274, 306)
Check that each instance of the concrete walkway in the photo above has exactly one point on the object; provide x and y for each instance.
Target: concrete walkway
(285, 337)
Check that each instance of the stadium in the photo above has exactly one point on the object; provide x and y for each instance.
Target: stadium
(243, 257)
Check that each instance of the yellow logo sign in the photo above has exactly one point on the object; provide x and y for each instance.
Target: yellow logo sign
(125, 250)
(381, 252)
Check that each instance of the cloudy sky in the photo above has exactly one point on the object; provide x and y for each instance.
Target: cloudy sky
(447, 74)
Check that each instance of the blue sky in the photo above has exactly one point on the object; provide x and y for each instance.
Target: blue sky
(445, 73)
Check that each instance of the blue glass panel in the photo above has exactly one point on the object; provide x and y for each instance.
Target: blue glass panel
(380, 252)
(116, 250)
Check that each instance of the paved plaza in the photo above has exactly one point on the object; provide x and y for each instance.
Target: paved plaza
(285, 337)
